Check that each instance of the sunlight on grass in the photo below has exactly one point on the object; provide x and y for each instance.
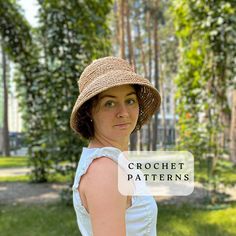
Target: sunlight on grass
(46, 219)
(54, 178)
(19, 178)
(8, 162)
(186, 221)
(38, 220)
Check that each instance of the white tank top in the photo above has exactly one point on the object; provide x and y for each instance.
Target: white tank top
(141, 217)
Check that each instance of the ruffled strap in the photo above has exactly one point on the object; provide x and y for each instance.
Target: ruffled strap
(88, 157)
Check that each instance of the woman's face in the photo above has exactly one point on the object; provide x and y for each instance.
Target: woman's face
(116, 112)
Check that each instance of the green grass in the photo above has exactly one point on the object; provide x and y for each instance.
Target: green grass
(59, 220)
(10, 162)
(32, 220)
(186, 221)
(20, 178)
(58, 178)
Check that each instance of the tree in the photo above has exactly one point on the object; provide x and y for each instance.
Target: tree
(233, 129)
(50, 60)
(67, 47)
(6, 146)
(206, 32)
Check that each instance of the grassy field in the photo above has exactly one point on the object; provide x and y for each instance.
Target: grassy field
(186, 221)
(59, 220)
(8, 162)
(53, 178)
(19, 178)
(14, 162)
(37, 220)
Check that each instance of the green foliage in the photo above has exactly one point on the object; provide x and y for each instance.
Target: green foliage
(206, 31)
(67, 46)
(224, 170)
(50, 60)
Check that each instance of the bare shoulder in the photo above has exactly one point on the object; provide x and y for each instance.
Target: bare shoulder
(101, 163)
(105, 204)
(102, 172)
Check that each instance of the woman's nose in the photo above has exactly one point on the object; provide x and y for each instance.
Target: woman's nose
(122, 111)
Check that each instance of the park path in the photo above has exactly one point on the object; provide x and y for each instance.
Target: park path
(7, 172)
(23, 192)
(16, 192)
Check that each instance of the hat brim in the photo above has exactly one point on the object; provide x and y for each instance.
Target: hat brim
(149, 95)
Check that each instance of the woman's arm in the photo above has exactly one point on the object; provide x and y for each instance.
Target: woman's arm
(106, 205)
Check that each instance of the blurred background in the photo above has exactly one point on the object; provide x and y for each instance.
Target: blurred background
(186, 48)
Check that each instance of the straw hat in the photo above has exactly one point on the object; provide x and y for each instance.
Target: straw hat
(108, 72)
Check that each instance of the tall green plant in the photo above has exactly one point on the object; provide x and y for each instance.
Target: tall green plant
(71, 35)
(206, 32)
(50, 60)
(18, 43)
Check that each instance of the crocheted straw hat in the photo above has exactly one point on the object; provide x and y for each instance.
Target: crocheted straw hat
(108, 72)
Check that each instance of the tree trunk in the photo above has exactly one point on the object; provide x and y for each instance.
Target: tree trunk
(233, 130)
(134, 137)
(116, 38)
(129, 37)
(156, 70)
(140, 46)
(6, 145)
(148, 24)
(121, 28)
(163, 110)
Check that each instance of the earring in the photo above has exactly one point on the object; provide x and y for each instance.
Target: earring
(91, 120)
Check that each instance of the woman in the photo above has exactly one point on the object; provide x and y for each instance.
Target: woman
(114, 102)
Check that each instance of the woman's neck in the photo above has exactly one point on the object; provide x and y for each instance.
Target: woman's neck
(95, 143)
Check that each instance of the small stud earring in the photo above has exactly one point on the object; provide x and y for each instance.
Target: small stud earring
(91, 120)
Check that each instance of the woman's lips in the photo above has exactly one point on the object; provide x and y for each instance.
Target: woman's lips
(123, 125)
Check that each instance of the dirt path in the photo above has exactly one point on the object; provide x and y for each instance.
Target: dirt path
(6, 172)
(198, 196)
(29, 193)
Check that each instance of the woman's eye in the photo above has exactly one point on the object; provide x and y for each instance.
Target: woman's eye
(109, 104)
(131, 101)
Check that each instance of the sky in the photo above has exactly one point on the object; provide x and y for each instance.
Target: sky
(30, 8)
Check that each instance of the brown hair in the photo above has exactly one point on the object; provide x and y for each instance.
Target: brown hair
(84, 115)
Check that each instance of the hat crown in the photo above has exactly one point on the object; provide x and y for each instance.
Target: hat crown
(100, 67)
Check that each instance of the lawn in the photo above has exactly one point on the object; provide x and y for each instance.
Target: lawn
(186, 221)
(52, 178)
(8, 162)
(59, 220)
(37, 220)
(14, 162)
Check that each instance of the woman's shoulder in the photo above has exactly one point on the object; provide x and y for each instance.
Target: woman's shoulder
(100, 183)
(102, 169)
